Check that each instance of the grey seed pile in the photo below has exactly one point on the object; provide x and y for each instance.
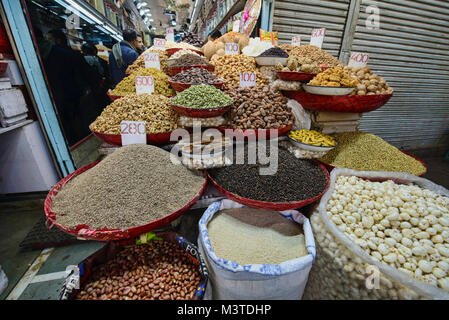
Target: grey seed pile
(133, 186)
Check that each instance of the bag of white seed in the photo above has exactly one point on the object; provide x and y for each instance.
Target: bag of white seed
(380, 235)
(229, 280)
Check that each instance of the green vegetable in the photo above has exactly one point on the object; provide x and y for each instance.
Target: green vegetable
(202, 97)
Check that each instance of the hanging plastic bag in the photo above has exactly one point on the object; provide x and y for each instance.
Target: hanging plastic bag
(232, 281)
(302, 117)
(343, 270)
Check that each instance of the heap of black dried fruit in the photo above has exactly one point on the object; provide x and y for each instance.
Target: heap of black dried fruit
(274, 52)
(295, 179)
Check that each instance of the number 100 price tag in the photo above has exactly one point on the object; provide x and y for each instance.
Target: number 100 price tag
(133, 132)
(231, 48)
(247, 79)
(144, 84)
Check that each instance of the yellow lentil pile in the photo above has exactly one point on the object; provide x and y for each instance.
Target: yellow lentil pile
(312, 137)
(154, 109)
(367, 152)
(140, 62)
(128, 86)
(229, 67)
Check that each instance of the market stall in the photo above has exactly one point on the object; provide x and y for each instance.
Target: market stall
(246, 117)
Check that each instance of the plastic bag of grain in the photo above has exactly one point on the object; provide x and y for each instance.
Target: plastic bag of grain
(343, 270)
(232, 281)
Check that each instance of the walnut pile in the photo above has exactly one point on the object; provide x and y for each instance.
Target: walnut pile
(259, 108)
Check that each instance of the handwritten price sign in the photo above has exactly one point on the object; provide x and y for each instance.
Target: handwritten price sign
(231, 48)
(236, 26)
(159, 44)
(247, 79)
(170, 34)
(152, 60)
(296, 41)
(317, 37)
(358, 59)
(133, 132)
(144, 84)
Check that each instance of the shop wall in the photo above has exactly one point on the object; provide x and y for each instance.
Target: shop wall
(409, 47)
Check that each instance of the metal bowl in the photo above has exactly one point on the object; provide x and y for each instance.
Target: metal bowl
(327, 91)
(311, 147)
(270, 61)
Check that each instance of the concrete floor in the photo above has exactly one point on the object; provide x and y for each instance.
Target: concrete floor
(39, 274)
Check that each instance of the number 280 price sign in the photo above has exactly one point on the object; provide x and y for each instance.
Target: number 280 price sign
(133, 132)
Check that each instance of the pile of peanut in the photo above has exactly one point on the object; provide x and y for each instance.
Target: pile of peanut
(369, 83)
(259, 108)
(159, 270)
(229, 67)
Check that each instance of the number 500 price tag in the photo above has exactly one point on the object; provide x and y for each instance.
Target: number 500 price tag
(144, 84)
(133, 132)
(247, 79)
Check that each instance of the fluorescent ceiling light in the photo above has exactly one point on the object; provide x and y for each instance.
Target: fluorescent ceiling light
(141, 4)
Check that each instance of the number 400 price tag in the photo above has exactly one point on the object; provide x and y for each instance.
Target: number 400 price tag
(133, 132)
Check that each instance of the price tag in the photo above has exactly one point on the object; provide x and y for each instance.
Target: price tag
(358, 59)
(144, 84)
(170, 34)
(159, 44)
(317, 37)
(152, 60)
(247, 79)
(231, 48)
(296, 41)
(236, 26)
(133, 132)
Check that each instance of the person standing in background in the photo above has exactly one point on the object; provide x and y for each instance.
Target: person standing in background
(140, 47)
(123, 54)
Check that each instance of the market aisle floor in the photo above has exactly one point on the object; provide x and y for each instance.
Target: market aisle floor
(43, 280)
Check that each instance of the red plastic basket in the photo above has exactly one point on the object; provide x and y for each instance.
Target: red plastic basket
(344, 103)
(106, 234)
(172, 51)
(176, 70)
(257, 132)
(113, 98)
(179, 86)
(330, 167)
(200, 113)
(295, 76)
(278, 206)
(152, 138)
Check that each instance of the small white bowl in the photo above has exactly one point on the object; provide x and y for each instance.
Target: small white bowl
(310, 146)
(270, 61)
(327, 91)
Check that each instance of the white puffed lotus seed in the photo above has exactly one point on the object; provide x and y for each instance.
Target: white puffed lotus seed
(425, 266)
(419, 251)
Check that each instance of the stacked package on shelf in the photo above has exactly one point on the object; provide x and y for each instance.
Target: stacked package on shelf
(333, 122)
(13, 108)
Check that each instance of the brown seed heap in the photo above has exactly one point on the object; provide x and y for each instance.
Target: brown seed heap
(188, 60)
(229, 67)
(259, 108)
(316, 54)
(159, 270)
(135, 185)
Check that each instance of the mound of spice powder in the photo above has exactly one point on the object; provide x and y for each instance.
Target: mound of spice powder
(295, 179)
(135, 185)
